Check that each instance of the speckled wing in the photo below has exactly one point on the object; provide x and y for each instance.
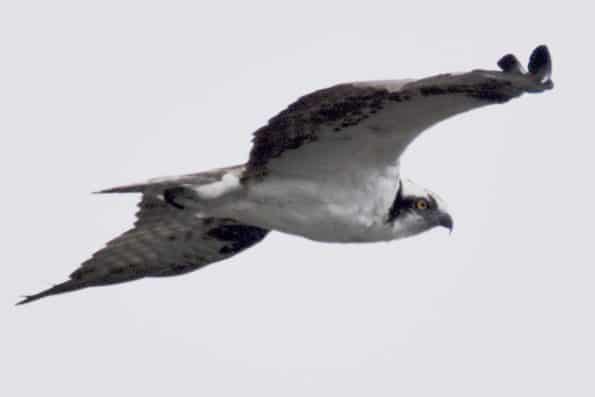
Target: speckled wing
(354, 129)
(165, 241)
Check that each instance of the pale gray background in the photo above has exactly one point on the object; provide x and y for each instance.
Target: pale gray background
(96, 94)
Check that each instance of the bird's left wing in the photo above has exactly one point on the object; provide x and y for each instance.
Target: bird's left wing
(165, 241)
(356, 129)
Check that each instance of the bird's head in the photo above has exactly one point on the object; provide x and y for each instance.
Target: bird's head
(416, 210)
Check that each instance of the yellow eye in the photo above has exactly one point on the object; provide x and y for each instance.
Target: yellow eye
(421, 204)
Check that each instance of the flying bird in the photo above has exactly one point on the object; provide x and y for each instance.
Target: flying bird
(326, 168)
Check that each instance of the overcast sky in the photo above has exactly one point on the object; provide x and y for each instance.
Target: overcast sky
(96, 94)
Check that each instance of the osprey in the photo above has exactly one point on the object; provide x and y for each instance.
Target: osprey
(326, 168)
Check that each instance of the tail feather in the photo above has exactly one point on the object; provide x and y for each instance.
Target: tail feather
(167, 182)
(156, 184)
(133, 188)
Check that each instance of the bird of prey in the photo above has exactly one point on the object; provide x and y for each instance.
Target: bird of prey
(326, 168)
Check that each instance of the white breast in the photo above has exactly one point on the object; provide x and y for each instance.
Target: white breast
(323, 210)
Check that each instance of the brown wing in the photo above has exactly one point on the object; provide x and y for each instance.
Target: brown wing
(350, 127)
(165, 241)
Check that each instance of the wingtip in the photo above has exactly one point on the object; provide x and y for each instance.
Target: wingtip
(67, 286)
(540, 68)
(510, 64)
(539, 56)
(540, 64)
(31, 298)
(26, 299)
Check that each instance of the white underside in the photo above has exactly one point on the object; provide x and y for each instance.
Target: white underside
(315, 193)
(328, 211)
(339, 188)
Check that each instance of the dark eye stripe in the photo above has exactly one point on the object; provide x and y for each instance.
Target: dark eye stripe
(402, 204)
(398, 205)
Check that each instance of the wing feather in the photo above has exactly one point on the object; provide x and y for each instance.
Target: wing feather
(165, 241)
(349, 126)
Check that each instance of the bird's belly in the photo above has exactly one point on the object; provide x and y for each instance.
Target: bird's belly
(318, 212)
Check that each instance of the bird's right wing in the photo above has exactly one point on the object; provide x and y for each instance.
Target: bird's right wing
(165, 241)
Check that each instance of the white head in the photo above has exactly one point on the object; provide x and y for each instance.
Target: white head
(416, 210)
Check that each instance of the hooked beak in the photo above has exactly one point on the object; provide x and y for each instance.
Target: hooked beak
(446, 221)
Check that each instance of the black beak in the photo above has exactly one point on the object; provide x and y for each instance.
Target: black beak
(446, 221)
